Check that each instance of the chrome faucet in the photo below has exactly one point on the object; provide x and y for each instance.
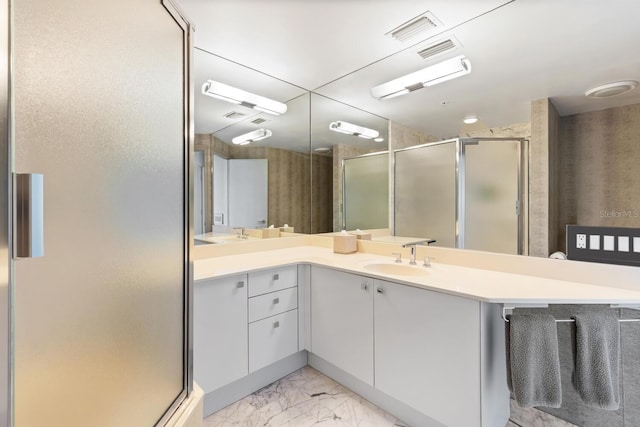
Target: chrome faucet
(241, 235)
(412, 246)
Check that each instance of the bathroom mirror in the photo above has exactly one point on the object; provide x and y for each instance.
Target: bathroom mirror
(330, 148)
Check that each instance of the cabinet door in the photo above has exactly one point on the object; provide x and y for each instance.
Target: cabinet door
(427, 349)
(220, 332)
(272, 339)
(342, 321)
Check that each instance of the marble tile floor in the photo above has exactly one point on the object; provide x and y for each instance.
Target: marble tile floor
(309, 398)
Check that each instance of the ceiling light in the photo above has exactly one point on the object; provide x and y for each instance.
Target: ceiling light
(470, 120)
(241, 97)
(379, 139)
(611, 89)
(416, 26)
(438, 73)
(253, 136)
(355, 130)
(322, 150)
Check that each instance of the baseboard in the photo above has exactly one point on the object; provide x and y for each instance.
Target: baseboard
(224, 396)
(373, 395)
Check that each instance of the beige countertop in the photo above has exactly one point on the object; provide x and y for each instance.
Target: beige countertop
(475, 283)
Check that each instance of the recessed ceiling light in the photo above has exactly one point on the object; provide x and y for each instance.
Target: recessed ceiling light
(470, 120)
(611, 89)
(379, 139)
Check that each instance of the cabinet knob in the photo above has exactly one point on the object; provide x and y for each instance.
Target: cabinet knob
(240, 284)
(276, 277)
(276, 324)
(276, 300)
(363, 286)
(380, 290)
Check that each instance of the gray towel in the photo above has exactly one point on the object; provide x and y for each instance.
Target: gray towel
(597, 370)
(533, 363)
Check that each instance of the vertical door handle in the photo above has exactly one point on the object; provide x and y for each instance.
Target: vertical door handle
(363, 286)
(29, 242)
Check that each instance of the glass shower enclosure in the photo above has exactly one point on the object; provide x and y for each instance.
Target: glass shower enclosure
(464, 193)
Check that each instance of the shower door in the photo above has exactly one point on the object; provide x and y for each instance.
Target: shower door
(365, 192)
(101, 110)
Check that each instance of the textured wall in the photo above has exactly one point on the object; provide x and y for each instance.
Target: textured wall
(598, 179)
(321, 193)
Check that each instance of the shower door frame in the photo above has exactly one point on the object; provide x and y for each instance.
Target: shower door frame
(522, 204)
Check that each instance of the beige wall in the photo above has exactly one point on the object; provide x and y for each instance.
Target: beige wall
(321, 193)
(598, 178)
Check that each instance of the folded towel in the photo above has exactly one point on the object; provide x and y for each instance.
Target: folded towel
(597, 358)
(533, 363)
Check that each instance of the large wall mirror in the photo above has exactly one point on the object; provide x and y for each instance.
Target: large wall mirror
(579, 174)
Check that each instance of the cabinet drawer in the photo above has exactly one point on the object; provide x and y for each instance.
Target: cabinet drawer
(275, 279)
(272, 339)
(272, 303)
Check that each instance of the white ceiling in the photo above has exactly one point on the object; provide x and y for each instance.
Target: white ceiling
(519, 51)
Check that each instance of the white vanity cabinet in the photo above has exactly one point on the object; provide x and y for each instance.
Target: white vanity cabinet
(427, 352)
(220, 336)
(273, 316)
(342, 321)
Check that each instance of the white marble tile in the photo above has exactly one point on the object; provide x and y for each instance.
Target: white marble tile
(532, 417)
(304, 398)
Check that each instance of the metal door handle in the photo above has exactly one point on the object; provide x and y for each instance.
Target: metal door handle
(276, 324)
(29, 242)
(240, 284)
(363, 286)
(276, 277)
(380, 290)
(276, 300)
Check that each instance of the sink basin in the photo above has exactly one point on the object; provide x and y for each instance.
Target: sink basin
(397, 269)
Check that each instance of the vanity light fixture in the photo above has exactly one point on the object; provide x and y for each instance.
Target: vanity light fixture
(611, 89)
(469, 120)
(252, 136)
(355, 130)
(246, 99)
(438, 73)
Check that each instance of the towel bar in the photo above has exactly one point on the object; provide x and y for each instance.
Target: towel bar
(504, 317)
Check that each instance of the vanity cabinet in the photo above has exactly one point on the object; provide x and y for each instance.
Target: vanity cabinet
(427, 352)
(220, 335)
(342, 321)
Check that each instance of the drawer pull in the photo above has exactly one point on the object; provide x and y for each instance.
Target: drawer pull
(240, 284)
(276, 324)
(276, 277)
(276, 300)
(380, 290)
(363, 286)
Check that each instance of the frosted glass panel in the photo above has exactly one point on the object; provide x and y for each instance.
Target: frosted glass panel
(425, 193)
(366, 192)
(99, 111)
(491, 192)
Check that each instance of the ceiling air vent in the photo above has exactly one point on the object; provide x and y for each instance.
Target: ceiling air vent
(438, 48)
(234, 115)
(258, 121)
(416, 26)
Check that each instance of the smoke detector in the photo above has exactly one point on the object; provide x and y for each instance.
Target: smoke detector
(611, 89)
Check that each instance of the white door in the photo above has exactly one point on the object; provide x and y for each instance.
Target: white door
(248, 187)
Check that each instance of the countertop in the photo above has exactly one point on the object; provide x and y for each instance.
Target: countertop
(474, 283)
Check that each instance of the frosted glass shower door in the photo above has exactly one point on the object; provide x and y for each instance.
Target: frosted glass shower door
(425, 192)
(490, 196)
(366, 192)
(100, 326)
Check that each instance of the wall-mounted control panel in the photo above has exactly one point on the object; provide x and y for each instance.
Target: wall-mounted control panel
(611, 245)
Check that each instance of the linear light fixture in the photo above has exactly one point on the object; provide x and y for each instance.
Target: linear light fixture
(355, 130)
(438, 73)
(246, 99)
(252, 136)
